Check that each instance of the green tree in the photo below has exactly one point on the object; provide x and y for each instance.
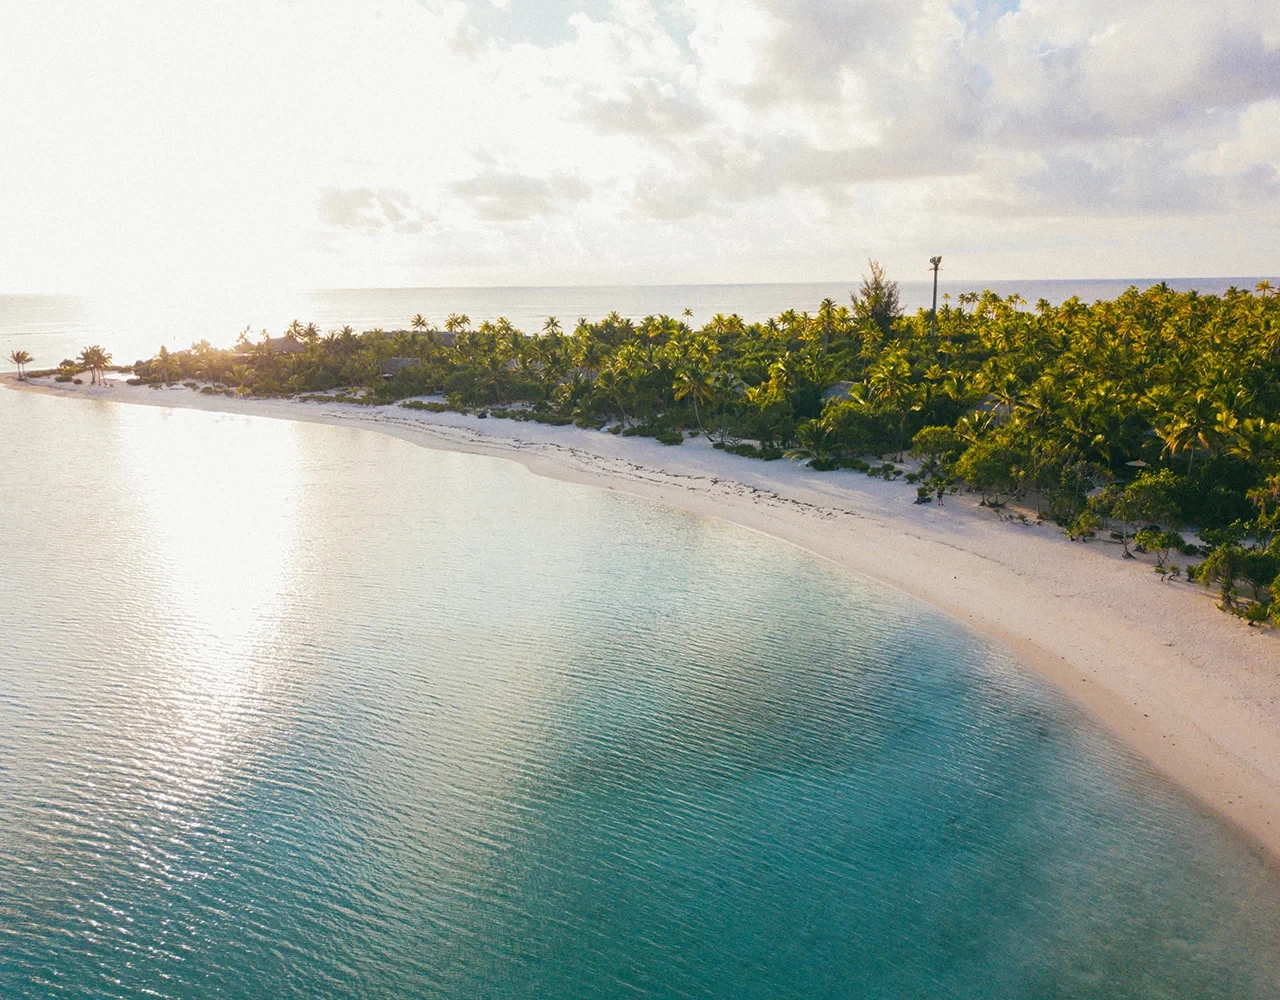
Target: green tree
(877, 300)
(938, 447)
(1153, 497)
(1225, 567)
(1159, 542)
(991, 467)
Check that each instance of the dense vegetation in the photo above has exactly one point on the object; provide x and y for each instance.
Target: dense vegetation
(1145, 417)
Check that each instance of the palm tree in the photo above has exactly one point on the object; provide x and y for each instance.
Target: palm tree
(612, 383)
(1193, 426)
(96, 360)
(815, 442)
(694, 384)
(243, 377)
(419, 323)
(588, 351)
(21, 359)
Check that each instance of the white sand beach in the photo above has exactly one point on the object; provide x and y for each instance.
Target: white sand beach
(1195, 691)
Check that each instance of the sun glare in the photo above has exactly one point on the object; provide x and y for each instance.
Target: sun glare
(220, 498)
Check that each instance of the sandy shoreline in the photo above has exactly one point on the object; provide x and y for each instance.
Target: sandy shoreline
(1195, 691)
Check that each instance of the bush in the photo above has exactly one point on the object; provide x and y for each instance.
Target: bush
(67, 378)
(669, 437)
(430, 407)
(1254, 614)
(78, 381)
(191, 385)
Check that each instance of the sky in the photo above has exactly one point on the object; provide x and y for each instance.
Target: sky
(376, 143)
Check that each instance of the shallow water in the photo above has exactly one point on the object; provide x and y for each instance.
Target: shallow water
(288, 709)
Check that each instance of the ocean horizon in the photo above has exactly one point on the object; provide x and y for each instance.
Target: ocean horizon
(52, 327)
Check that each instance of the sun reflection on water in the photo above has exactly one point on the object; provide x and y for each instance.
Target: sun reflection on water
(220, 498)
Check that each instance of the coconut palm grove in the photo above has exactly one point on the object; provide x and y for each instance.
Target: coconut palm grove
(1153, 418)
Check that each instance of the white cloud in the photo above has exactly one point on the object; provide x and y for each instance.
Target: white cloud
(434, 142)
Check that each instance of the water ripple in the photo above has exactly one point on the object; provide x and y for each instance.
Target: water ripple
(318, 733)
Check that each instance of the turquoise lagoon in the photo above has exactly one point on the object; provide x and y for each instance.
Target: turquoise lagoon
(296, 710)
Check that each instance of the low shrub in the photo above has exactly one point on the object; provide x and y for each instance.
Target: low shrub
(669, 437)
(66, 378)
(887, 471)
(429, 406)
(1254, 614)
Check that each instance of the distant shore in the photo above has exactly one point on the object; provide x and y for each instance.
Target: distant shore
(1194, 691)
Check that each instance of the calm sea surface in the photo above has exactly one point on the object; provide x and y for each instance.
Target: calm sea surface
(53, 327)
(293, 710)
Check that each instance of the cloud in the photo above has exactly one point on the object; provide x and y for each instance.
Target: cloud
(370, 211)
(506, 196)
(633, 140)
(647, 109)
